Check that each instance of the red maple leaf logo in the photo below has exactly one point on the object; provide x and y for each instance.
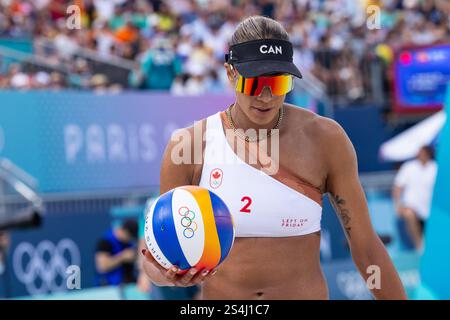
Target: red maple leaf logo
(216, 175)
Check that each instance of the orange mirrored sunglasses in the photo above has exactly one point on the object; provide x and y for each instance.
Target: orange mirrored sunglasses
(279, 85)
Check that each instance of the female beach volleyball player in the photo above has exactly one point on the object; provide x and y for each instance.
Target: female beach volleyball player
(276, 253)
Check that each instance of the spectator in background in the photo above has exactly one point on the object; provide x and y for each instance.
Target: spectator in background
(18, 79)
(195, 84)
(65, 43)
(184, 47)
(105, 8)
(3, 82)
(213, 83)
(412, 192)
(127, 40)
(104, 40)
(116, 254)
(127, 33)
(99, 83)
(200, 59)
(348, 76)
(40, 80)
(200, 31)
(178, 85)
(136, 77)
(160, 65)
(165, 18)
(57, 81)
(117, 20)
(81, 74)
(199, 81)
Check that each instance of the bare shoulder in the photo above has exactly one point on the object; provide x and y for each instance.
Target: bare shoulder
(187, 136)
(330, 141)
(321, 129)
(183, 157)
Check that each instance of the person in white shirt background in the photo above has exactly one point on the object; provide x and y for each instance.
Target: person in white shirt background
(413, 191)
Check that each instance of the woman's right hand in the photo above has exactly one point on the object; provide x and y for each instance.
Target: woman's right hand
(163, 277)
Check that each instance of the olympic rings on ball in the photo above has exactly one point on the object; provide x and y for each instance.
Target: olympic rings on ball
(187, 221)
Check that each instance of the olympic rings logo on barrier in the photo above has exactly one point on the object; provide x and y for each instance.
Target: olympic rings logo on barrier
(39, 268)
(188, 222)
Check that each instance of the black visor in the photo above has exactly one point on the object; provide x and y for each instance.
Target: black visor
(261, 57)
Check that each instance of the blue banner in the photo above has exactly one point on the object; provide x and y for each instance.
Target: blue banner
(39, 259)
(76, 141)
(420, 77)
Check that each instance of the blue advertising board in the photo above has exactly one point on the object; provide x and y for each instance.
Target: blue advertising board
(76, 141)
(38, 259)
(421, 75)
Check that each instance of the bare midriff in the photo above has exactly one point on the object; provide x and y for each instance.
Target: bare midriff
(270, 268)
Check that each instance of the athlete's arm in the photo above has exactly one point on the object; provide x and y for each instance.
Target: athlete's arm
(175, 173)
(349, 202)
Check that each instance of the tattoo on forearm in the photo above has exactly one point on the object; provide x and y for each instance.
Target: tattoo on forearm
(338, 204)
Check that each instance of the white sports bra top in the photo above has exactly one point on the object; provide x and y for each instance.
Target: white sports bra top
(261, 205)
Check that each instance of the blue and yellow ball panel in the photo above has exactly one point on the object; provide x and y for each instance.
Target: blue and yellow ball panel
(224, 223)
(165, 232)
(189, 227)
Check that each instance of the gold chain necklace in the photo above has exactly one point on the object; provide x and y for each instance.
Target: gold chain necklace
(247, 138)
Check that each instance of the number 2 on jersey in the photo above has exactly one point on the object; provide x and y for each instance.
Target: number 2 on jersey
(248, 202)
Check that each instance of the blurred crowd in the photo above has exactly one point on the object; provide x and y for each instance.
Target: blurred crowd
(178, 45)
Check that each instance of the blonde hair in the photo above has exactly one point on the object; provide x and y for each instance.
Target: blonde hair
(257, 28)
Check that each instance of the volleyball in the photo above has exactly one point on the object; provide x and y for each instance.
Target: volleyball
(188, 227)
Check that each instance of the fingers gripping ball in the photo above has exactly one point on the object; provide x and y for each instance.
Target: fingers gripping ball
(189, 227)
